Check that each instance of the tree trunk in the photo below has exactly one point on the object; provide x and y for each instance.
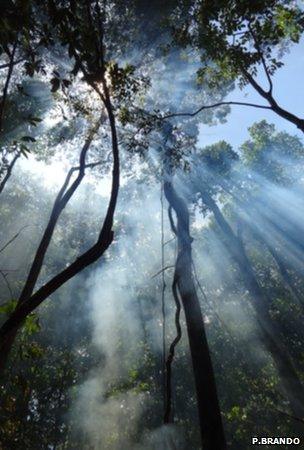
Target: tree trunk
(212, 432)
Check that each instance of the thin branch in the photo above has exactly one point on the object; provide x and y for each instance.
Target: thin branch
(13, 238)
(170, 240)
(7, 82)
(214, 105)
(4, 276)
(87, 258)
(9, 171)
(260, 53)
(18, 61)
(100, 18)
(161, 271)
(7, 65)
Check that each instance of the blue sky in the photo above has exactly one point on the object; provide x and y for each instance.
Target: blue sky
(288, 91)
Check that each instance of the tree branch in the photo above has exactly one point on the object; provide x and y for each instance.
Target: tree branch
(7, 65)
(260, 53)
(9, 171)
(4, 276)
(162, 271)
(214, 105)
(13, 238)
(7, 82)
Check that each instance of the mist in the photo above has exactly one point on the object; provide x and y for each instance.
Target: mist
(151, 285)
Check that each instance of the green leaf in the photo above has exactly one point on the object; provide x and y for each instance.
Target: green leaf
(32, 324)
(8, 307)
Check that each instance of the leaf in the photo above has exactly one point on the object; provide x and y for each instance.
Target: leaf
(34, 120)
(32, 324)
(75, 69)
(8, 307)
(24, 150)
(66, 83)
(28, 139)
(55, 82)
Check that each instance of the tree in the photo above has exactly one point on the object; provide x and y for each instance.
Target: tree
(217, 161)
(20, 42)
(235, 40)
(29, 301)
(114, 78)
(212, 432)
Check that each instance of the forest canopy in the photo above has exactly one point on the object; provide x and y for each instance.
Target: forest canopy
(151, 238)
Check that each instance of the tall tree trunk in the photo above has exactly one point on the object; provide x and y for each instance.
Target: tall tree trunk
(270, 332)
(212, 432)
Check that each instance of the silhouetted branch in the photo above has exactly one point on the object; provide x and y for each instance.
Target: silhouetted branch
(260, 53)
(7, 82)
(13, 238)
(4, 276)
(162, 270)
(9, 172)
(214, 105)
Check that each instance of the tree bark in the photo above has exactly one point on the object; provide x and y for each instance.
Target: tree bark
(211, 427)
(297, 121)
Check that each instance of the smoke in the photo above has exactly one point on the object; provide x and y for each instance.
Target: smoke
(127, 332)
(119, 406)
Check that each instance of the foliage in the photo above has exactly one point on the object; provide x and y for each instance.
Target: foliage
(235, 38)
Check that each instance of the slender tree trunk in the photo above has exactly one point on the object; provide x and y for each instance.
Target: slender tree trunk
(211, 426)
(8, 172)
(2, 108)
(270, 332)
